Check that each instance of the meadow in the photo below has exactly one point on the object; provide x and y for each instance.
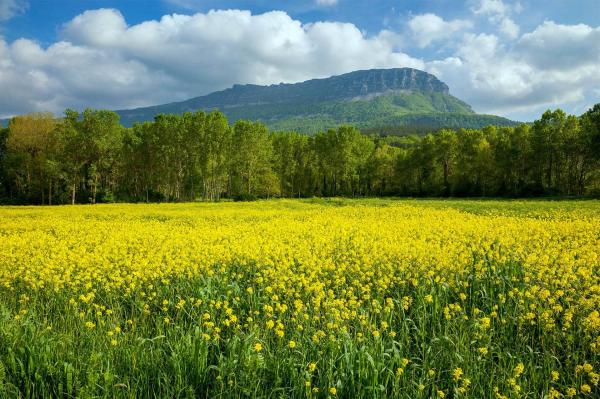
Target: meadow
(301, 299)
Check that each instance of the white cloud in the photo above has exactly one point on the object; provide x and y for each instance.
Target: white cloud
(429, 28)
(491, 7)
(561, 47)
(498, 13)
(550, 66)
(11, 8)
(326, 3)
(509, 28)
(103, 62)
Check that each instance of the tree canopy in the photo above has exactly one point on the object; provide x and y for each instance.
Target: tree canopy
(90, 157)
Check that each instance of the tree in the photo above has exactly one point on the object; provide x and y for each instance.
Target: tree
(251, 153)
(546, 136)
(446, 145)
(382, 169)
(3, 153)
(72, 153)
(216, 141)
(90, 157)
(102, 137)
(342, 156)
(590, 147)
(30, 144)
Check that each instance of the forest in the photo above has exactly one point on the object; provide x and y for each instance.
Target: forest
(89, 157)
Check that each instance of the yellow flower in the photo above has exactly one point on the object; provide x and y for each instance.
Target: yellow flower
(441, 394)
(555, 375)
(258, 347)
(484, 323)
(553, 394)
(312, 367)
(457, 373)
(519, 368)
(585, 389)
(90, 324)
(333, 391)
(292, 344)
(594, 377)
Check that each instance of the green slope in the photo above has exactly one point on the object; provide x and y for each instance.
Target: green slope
(433, 110)
(377, 98)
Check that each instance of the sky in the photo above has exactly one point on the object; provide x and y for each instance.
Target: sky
(514, 58)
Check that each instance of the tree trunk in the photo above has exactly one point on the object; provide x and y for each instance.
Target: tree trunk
(94, 191)
(73, 194)
(446, 188)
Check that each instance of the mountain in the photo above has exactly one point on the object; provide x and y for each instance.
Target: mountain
(389, 100)
(371, 99)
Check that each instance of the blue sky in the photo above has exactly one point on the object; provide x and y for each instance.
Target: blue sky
(512, 58)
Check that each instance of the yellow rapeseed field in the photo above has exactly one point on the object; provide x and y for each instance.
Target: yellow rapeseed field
(289, 298)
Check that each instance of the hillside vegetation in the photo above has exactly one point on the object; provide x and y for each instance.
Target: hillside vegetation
(376, 98)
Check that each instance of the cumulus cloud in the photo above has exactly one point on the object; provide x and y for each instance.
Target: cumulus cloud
(552, 65)
(11, 8)
(509, 28)
(559, 47)
(429, 28)
(498, 13)
(103, 62)
(491, 7)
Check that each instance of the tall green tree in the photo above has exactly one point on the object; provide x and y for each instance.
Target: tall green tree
(251, 156)
(214, 152)
(3, 152)
(446, 145)
(102, 138)
(30, 148)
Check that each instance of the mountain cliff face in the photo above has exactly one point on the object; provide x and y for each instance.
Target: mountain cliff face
(368, 99)
(353, 85)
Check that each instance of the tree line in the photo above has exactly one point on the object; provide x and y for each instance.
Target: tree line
(90, 157)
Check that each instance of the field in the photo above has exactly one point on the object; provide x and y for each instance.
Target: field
(301, 299)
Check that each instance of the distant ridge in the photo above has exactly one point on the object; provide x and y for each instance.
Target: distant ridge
(370, 99)
(377, 100)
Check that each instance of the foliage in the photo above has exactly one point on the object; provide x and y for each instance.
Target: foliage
(301, 299)
(91, 158)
